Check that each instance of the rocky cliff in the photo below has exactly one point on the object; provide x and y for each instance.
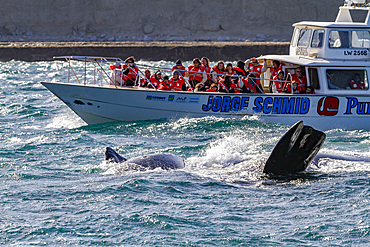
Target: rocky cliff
(158, 20)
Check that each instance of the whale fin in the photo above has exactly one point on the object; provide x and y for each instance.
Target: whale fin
(295, 150)
(112, 155)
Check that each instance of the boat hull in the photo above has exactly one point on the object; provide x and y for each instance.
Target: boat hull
(96, 104)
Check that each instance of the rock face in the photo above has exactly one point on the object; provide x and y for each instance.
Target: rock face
(158, 20)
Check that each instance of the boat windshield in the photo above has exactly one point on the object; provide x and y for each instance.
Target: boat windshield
(347, 79)
(349, 39)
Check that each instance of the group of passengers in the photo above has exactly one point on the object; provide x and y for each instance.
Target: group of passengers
(245, 77)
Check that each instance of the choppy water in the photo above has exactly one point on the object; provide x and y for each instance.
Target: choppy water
(56, 188)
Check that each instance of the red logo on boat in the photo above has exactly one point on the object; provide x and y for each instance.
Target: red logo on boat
(328, 106)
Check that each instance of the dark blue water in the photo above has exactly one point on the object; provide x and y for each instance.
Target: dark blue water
(56, 189)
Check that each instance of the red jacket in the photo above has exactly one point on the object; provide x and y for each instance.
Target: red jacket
(196, 73)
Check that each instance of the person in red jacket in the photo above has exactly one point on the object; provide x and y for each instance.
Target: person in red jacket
(117, 75)
(229, 69)
(249, 85)
(179, 67)
(276, 67)
(218, 71)
(130, 70)
(155, 80)
(357, 82)
(178, 82)
(240, 69)
(234, 85)
(196, 73)
(256, 69)
(207, 70)
(301, 79)
(277, 84)
(144, 81)
(164, 84)
(213, 88)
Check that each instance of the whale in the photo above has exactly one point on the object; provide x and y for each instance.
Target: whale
(295, 150)
(164, 161)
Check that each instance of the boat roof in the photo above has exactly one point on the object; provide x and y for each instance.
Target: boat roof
(332, 24)
(316, 62)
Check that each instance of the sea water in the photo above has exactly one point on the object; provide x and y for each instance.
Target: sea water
(56, 189)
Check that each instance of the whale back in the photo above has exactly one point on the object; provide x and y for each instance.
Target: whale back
(295, 150)
(162, 160)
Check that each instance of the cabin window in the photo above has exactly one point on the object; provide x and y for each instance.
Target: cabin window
(349, 39)
(347, 79)
(314, 78)
(360, 39)
(295, 37)
(317, 38)
(304, 37)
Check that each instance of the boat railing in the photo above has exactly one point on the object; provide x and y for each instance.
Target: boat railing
(101, 67)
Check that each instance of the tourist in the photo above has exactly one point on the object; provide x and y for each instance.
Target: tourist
(155, 79)
(218, 71)
(240, 69)
(256, 69)
(207, 70)
(130, 70)
(144, 81)
(277, 84)
(234, 85)
(177, 81)
(179, 67)
(213, 88)
(196, 73)
(310, 90)
(300, 78)
(117, 75)
(200, 87)
(357, 82)
(164, 84)
(249, 85)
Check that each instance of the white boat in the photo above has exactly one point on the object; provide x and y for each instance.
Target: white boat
(331, 53)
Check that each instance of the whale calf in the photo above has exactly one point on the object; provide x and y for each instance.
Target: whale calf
(152, 161)
(295, 150)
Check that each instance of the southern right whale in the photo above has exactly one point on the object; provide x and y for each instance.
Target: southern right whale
(152, 161)
(295, 150)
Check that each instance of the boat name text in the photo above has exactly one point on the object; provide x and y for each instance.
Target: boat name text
(266, 105)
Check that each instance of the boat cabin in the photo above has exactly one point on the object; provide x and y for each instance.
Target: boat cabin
(335, 55)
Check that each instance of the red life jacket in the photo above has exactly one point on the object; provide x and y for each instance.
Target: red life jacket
(207, 69)
(241, 72)
(274, 72)
(112, 67)
(219, 72)
(357, 85)
(182, 72)
(223, 85)
(155, 81)
(302, 82)
(177, 85)
(278, 84)
(250, 85)
(195, 74)
(132, 73)
(210, 90)
(235, 87)
(163, 86)
(256, 71)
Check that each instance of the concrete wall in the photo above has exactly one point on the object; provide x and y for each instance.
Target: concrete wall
(114, 20)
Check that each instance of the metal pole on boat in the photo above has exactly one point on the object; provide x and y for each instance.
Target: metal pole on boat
(85, 71)
(69, 69)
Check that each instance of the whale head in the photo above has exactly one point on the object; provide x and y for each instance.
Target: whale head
(111, 155)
